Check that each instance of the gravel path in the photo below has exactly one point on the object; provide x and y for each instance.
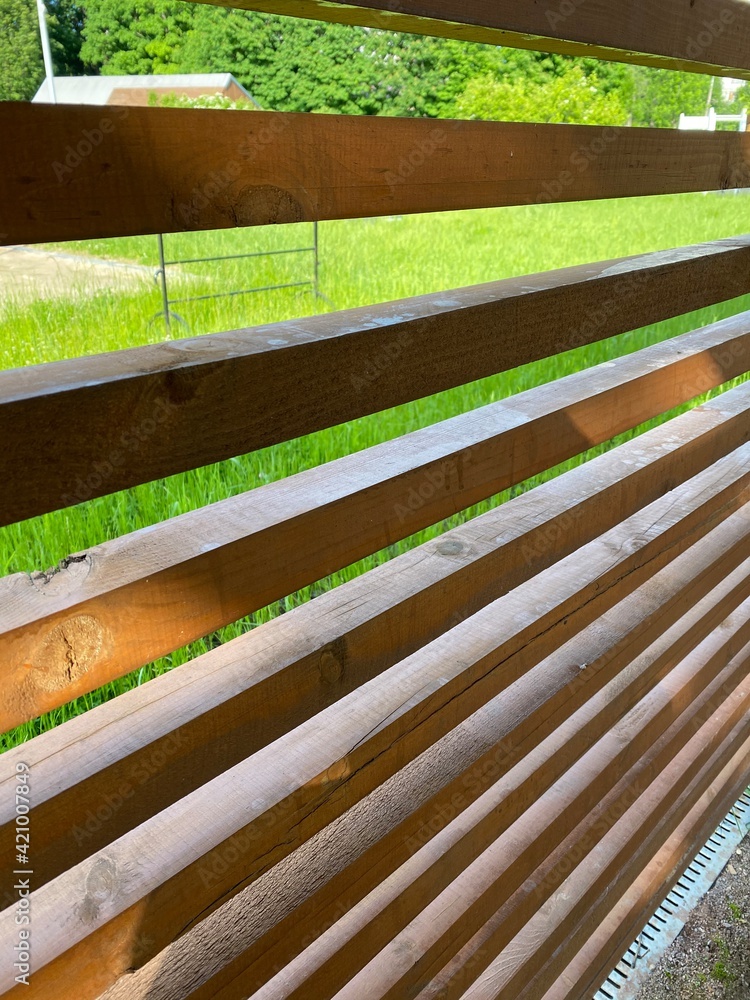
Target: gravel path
(710, 960)
(27, 273)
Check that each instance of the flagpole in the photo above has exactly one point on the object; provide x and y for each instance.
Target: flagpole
(46, 50)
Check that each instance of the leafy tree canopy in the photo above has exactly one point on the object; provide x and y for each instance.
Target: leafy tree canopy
(65, 20)
(660, 96)
(20, 51)
(286, 64)
(136, 36)
(295, 65)
(571, 97)
(290, 64)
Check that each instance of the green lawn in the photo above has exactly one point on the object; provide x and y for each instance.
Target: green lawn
(363, 262)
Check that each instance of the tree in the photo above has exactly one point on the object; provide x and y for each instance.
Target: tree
(289, 64)
(20, 50)
(661, 95)
(21, 64)
(136, 36)
(66, 20)
(423, 76)
(540, 67)
(572, 98)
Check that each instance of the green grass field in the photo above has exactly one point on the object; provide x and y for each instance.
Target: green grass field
(363, 262)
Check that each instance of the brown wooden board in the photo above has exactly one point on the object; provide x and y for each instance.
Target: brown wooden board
(141, 596)
(456, 980)
(636, 745)
(257, 938)
(280, 797)
(617, 932)
(706, 36)
(254, 950)
(70, 172)
(623, 853)
(78, 429)
(500, 842)
(314, 655)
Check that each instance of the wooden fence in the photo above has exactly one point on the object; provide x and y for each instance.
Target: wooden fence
(474, 771)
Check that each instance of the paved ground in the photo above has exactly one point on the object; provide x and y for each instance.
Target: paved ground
(27, 273)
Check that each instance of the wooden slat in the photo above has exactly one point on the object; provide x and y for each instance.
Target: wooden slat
(172, 169)
(727, 768)
(182, 579)
(709, 36)
(488, 870)
(623, 924)
(260, 951)
(319, 652)
(623, 852)
(280, 797)
(84, 428)
(334, 871)
(374, 928)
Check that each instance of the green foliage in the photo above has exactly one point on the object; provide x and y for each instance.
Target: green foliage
(571, 97)
(214, 102)
(661, 96)
(290, 64)
(66, 20)
(21, 65)
(287, 64)
(736, 912)
(721, 944)
(721, 973)
(423, 77)
(20, 50)
(136, 36)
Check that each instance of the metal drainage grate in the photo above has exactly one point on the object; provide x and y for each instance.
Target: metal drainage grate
(636, 965)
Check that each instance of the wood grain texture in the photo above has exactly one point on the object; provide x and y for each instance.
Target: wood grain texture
(141, 596)
(641, 743)
(707, 36)
(258, 936)
(564, 779)
(192, 725)
(624, 852)
(121, 906)
(74, 430)
(605, 948)
(161, 170)
(253, 753)
(465, 976)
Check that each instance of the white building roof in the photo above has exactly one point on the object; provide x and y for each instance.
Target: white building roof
(98, 89)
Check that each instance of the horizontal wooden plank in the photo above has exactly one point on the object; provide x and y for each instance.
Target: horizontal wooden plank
(565, 777)
(79, 429)
(155, 987)
(283, 795)
(251, 956)
(707, 36)
(215, 716)
(621, 854)
(490, 868)
(334, 871)
(73, 172)
(604, 950)
(184, 578)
